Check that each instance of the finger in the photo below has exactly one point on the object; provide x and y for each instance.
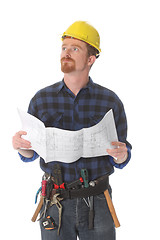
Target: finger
(23, 142)
(117, 154)
(118, 144)
(22, 145)
(19, 142)
(20, 133)
(117, 150)
(18, 137)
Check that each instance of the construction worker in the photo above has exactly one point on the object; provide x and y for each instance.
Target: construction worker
(74, 103)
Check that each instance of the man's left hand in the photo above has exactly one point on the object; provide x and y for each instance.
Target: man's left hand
(119, 153)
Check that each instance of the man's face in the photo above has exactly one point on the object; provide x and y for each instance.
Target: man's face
(74, 56)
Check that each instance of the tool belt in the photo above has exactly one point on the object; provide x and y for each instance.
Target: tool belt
(54, 190)
(95, 188)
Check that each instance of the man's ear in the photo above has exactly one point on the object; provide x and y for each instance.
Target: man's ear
(91, 60)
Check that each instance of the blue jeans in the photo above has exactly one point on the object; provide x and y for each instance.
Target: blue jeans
(75, 221)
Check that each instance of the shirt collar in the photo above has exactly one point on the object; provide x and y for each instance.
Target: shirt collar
(60, 86)
(89, 86)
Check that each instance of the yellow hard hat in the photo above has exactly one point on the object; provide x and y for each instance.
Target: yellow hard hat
(83, 31)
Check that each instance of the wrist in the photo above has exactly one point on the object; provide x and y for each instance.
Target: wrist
(26, 153)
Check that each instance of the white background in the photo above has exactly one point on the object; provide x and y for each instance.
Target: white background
(129, 65)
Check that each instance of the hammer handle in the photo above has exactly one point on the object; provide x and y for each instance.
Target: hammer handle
(111, 208)
(40, 204)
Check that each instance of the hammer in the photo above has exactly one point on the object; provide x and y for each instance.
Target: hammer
(111, 208)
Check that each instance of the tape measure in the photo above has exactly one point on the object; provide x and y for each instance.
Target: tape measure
(48, 223)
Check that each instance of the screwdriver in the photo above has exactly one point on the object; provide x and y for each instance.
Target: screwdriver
(91, 213)
(84, 174)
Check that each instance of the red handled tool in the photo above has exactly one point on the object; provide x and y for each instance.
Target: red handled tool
(59, 184)
(40, 204)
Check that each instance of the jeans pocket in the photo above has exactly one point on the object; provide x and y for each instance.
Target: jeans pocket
(100, 196)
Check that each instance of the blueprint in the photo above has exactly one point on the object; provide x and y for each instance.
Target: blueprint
(54, 144)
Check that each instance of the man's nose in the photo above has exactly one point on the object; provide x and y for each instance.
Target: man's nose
(67, 53)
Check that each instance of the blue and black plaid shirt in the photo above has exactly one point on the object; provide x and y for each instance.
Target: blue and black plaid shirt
(58, 107)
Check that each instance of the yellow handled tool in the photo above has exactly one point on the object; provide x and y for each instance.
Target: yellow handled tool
(111, 208)
(40, 204)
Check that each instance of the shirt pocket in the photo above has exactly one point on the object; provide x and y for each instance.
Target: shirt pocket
(94, 119)
(52, 120)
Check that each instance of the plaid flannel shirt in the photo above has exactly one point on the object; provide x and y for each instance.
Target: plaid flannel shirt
(56, 106)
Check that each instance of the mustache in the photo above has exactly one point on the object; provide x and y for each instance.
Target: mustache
(67, 58)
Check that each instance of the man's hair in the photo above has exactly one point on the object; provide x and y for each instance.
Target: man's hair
(92, 51)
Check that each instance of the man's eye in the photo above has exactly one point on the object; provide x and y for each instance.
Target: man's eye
(64, 49)
(75, 49)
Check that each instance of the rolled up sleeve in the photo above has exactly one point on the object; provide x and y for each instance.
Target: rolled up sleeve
(25, 159)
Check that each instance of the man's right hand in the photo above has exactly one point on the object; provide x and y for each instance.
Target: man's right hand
(18, 142)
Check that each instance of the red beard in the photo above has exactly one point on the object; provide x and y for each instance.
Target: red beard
(67, 65)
